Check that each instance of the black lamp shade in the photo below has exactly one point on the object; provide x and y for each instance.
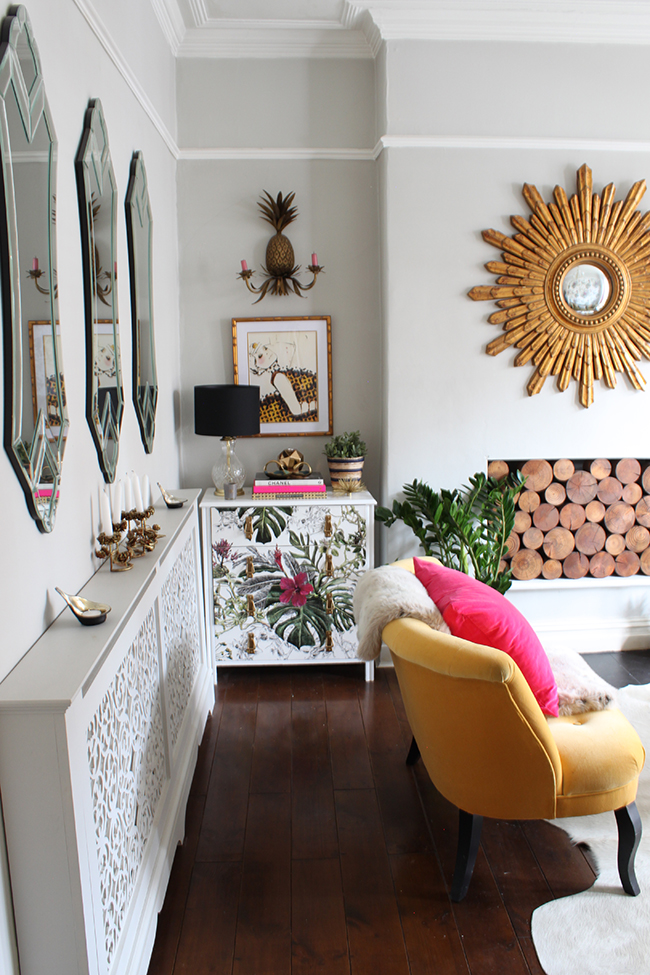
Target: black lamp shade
(226, 411)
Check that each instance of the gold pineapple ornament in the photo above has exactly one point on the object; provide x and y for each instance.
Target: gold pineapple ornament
(280, 259)
(280, 267)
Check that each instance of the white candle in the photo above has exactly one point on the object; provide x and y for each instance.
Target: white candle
(118, 499)
(137, 493)
(105, 513)
(146, 492)
(128, 494)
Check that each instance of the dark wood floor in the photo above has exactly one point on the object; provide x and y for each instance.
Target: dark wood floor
(311, 848)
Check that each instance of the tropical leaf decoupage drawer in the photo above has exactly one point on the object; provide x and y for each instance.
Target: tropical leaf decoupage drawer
(283, 579)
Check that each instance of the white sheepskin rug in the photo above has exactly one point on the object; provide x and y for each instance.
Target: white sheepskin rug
(603, 931)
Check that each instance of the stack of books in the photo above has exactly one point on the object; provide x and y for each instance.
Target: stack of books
(288, 487)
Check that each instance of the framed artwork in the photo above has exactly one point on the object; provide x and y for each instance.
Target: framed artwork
(290, 359)
(45, 395)
(105, 377)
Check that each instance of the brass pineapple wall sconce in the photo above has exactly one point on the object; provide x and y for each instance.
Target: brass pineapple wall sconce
(281, 269)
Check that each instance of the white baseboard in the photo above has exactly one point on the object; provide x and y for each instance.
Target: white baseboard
(583, 635)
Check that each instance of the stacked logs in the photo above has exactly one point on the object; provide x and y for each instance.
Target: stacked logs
(579, 518)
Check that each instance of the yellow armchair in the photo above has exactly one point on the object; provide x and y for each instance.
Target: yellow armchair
(490, 751)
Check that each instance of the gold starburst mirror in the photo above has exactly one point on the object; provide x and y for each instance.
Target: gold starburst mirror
(574, 287)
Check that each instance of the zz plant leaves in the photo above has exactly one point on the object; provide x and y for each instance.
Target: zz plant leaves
(466, 528)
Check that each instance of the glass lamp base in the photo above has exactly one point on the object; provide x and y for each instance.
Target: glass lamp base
(228, 470)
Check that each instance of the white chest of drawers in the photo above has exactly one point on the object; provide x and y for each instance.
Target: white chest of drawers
(99, 728)
(279, 576)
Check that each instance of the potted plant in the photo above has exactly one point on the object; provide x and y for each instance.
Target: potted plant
(345, 456)
(467, 528)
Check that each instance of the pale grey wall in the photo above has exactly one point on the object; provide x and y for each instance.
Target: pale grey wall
(575, 91)
(302, 105)
(448, 406)
(76, 68)
(218, 226)
(260, 103)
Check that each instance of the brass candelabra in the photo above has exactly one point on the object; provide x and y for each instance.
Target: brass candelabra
(119, 559)
(142, 538)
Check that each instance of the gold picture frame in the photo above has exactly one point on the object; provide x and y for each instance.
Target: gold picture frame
(574, 287)
(290, 359)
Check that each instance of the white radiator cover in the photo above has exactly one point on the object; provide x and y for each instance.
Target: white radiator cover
(99, 728)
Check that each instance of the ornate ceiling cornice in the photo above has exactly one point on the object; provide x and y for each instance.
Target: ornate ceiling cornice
(364, 24)
(546, 21)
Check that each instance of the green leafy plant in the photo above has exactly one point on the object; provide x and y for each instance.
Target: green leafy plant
(466, 528)
(346, 445)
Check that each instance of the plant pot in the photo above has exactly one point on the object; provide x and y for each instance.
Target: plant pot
(345, 468)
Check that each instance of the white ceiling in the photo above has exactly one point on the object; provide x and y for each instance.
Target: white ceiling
(356, 28)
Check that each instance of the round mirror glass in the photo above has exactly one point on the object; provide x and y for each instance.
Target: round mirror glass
(97, 193)
(586, 289)
(35, 419)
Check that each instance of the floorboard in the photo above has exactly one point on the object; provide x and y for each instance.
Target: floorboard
(312, 849)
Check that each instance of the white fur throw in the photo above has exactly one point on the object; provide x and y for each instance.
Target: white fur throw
(579, 688)
(385, 594)
(390, 593)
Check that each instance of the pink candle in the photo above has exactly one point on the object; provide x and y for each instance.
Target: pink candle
(244, 266)
(35, 264)
(314, 260)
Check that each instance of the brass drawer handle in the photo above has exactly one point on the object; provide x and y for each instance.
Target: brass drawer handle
(329, 568)
(328, 640)
(328, 526)
(250, 608)
(251, 643)
(248, 527)
(250, 570)
(329, 604)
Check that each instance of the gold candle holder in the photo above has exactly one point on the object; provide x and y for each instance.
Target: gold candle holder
(142, 538)
(119, 561)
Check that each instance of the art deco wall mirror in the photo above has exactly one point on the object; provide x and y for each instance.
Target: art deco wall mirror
(35, 415)
(97, 193)
(573, 287)
(139, 227)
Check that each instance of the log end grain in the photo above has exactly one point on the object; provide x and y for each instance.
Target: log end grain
(538, 474)
(527, 564)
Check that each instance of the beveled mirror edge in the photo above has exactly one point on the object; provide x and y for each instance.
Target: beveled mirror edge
(145, 411)
(13, 24)
(94, 116)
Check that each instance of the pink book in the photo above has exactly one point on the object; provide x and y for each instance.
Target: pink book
(290, 489)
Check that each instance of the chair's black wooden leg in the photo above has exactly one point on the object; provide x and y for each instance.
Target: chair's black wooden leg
(414, 753)
(469, 839)
(629, 837)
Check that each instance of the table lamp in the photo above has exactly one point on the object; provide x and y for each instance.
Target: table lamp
(227, 411)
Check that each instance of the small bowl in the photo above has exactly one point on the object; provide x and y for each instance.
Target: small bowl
(87, 612)
(170, 500)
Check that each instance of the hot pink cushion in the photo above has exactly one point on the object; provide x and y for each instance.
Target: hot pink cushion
(482, 615)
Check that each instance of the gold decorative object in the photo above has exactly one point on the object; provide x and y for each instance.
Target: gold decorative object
(289, 463)
(280, 267)
(574, 287)
(87, 612)
(347, 485)
(142, 538)
(119, 560)
(36, 273)
(170, 500)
